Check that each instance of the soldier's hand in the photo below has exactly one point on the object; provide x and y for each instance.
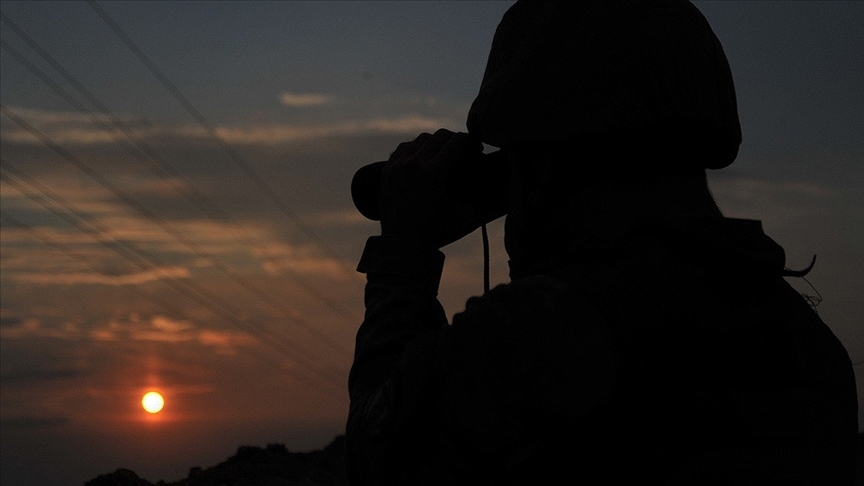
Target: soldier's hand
(417, 196)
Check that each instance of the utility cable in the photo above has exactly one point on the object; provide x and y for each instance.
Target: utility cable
(145, 261)
(485, 235)
(33, 232)
(132, 203)
(213, 133)
(127, 250)
(141, 151)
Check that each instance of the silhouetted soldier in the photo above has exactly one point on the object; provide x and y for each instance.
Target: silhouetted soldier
(644, 337)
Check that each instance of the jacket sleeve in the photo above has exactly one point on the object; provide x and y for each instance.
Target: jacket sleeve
(402, 321)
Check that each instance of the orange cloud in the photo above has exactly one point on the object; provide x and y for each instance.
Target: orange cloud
(157, 328)
(276, 134)
(279, 258)
(225, 339)
(67, 128)
(93, 278)
(304, 99)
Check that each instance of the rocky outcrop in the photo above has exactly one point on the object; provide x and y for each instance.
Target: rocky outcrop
(273, 465)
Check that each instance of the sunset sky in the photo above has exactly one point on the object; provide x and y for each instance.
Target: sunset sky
(177, 215)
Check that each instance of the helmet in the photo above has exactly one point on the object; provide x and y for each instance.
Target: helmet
(644, 82)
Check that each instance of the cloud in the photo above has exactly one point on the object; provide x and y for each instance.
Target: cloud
(169, 325)
(93, 278)
(11, 321)
(276, 134)
(66, 127)
(224, 339)
(33, 327)
(781, 201)
(753, 188)
(343, 217)
(165, 329)
(40, 375)
(278, 258)
(157, 328)
(305, 99)
(71, 128)
(32, 423)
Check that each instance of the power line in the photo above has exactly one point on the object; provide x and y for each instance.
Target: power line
(134, 146)
(102, 234)
(140, 151)
(119, 125)
(149, 296)
(132, 203)
(212, 132)
(144, 260)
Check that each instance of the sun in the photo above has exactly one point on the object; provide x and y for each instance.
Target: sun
(152, 402)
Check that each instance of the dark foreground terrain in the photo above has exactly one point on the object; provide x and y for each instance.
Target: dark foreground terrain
(274, 465)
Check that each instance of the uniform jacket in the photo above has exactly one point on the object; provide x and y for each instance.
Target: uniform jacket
(676, 354)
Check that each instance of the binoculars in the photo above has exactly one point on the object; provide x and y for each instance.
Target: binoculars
(481, 182)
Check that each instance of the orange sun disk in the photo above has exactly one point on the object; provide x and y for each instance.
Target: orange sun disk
(152, 402)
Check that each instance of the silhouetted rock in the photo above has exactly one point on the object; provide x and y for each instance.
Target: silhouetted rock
(120, 477)
(273, 465)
